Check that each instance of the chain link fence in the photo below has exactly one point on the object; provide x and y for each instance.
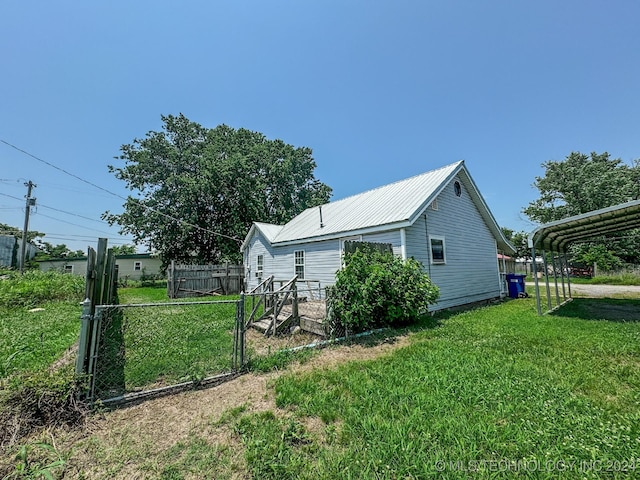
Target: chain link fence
(154, 347)
(149, 349)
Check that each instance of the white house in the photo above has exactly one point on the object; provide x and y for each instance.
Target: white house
(132, 267)
(439, 218)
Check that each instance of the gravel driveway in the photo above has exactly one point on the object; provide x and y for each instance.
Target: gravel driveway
(597, 291)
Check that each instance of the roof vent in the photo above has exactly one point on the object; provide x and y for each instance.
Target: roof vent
(320, 209)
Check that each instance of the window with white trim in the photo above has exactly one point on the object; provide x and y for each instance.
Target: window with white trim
(298, 263)
(259, 265)
(437, 249)
(68, 269)
(137, 266)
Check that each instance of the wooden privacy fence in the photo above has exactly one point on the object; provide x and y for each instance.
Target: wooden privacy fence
(101, 288)
(200, 280)
(351, 246)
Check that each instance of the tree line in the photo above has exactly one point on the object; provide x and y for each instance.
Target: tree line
(197, 190)
(578, 184)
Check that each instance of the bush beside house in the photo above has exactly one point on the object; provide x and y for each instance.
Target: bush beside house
(379, 289)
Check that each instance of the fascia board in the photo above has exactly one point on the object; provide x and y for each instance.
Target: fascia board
(348, 233)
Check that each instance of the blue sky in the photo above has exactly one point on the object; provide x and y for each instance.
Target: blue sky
(380, 91)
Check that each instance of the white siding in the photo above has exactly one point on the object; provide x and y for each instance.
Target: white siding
(257, 246)
(148, 266)
(79, 265)
(470, 273)
(321, 260)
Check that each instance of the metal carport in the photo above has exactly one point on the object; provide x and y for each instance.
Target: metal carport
(555, 238)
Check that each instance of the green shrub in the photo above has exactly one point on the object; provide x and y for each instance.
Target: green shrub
(377, 289)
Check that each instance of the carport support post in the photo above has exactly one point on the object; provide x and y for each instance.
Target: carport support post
(534, 269)
(562, 258)
(566, 263)
(555, 278)
(546, 279)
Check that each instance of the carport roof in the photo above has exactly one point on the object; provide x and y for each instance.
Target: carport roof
(557, 236)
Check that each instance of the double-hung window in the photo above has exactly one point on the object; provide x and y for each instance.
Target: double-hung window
(298, 263)
(259, 265)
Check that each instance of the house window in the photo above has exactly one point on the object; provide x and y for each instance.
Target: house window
(68, 269)
(137, 266)
(437, 249)
(299, 263)
(457, 188)
(259, 265)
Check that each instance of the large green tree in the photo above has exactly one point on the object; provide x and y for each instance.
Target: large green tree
(582, 183)
(198, 189)
(519, 240)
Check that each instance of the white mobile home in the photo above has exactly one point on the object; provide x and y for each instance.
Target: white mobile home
(439, 218)
(130, 267)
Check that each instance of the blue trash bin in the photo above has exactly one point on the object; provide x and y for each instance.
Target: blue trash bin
(515, 283)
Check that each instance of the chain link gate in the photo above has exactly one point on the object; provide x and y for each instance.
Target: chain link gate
(151, 349)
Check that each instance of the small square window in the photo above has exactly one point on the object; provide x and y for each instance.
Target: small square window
(68, 269)
(437, 250)
(137, 266)
(299, 263)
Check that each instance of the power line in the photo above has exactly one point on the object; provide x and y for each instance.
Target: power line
(58, 210)
(112, 240)
(180, 221)
(61, 169)
(71, 223)
(11, 196)
(73, 214)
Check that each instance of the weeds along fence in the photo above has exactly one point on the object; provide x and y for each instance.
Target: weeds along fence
(144, 350)
(131, 352)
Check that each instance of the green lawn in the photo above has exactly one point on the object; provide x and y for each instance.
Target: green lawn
(163, 342)
(32, 340)
(39, 318)
(495, 391)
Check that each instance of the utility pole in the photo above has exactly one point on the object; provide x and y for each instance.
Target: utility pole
(30, 202)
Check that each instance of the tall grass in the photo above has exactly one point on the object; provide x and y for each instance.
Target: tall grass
(32, 338)
(35, 287)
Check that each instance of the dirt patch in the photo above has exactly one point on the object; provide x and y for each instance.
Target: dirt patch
(260, 344)
(157, 425)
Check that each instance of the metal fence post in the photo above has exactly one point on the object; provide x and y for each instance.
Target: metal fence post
(96, 323)
(241, 329)
(85, 326)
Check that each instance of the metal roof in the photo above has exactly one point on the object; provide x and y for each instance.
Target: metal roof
(396, 205)
(557, 236)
